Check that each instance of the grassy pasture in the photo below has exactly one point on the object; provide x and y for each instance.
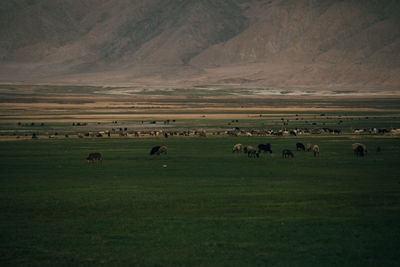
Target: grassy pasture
(207, 207)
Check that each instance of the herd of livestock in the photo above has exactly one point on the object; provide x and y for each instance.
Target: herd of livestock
(236, 132)
(358, 148)
(253, 152)
(123, 132)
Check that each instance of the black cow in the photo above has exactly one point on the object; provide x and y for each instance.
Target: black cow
(265, 148)
(154, 150)
(287, 153)
(94, 156)
(300, 146)
(159, 150)
(359, 151)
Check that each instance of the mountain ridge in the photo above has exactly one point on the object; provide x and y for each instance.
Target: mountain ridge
(348, 43)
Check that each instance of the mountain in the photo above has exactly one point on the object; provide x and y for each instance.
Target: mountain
(272, 43)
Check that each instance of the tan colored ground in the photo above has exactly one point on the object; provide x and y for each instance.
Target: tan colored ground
(26, 104)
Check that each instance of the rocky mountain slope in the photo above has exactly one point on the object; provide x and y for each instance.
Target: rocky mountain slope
(271, 43)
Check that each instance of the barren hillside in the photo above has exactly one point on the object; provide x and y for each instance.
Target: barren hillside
(253, 43)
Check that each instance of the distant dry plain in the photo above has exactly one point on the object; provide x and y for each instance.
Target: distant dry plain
(38, 103)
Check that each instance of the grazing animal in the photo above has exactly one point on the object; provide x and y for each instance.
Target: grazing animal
(337, 131)
(251, 152)
(162, 149)
(309, 146)
(359, 151)
(237, 148)
(300, 146)
(158, 150)
(378, 149)
(287, 153)
(316, 150)
(246, 148)
(265, 148)
(154, 150)
(355, 145)
(94, 156)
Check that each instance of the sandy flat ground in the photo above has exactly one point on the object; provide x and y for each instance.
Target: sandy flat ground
(26, 104)
(109, 117)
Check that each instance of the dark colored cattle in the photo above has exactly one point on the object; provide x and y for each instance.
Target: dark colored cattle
(287, 153)
(265, 148)
(337, 131)
(300, 146)
(94, 156)
(364, 148)
(154, 150)
(359, 151)
(159, 150)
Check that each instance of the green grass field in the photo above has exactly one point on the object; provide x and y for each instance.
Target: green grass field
(208, 207)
